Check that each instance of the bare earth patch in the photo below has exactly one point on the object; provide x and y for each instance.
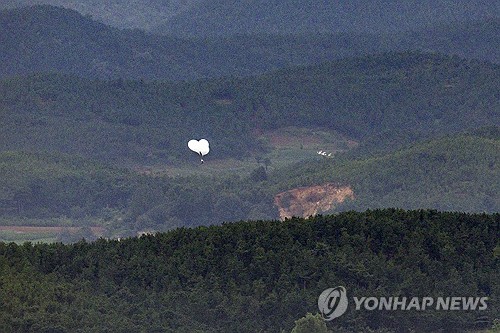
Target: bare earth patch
(312, 200)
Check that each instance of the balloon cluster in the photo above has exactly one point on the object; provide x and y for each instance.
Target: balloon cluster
(200, 147)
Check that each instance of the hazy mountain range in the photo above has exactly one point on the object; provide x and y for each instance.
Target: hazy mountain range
(122, 13)
(223, 17)
(51, 39)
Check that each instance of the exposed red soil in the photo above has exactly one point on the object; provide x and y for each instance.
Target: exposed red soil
(312, 200)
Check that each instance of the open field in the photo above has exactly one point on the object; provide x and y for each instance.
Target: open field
(285, 146)
(21, 234)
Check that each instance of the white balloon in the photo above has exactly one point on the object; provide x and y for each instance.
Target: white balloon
(193, 145)
(200, 147)
(204, 147)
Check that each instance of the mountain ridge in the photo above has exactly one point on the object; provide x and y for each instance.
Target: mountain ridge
(53, 39)
(274, 16)
(222, 17)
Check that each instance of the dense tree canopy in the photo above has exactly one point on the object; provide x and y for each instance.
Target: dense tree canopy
(255, 276)
(407, 95)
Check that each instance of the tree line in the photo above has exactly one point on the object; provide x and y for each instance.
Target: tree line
(257, 275)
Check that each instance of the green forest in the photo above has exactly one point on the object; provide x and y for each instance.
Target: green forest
(402, 96)
(258, 276)
(458, 172)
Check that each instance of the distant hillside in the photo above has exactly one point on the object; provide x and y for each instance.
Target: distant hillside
(223, 17)
(130, 122)
(50, 39)
(472, 39)
(50, 189)
(118, 13)
(453, 173)
(43, 186)
(124, 122)
(391, 92)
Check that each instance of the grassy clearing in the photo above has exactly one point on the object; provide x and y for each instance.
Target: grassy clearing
(20, 237)
(46, 234)
(286, 146)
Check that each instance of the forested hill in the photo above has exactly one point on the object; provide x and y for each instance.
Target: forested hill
(459, 173)
(449, 173)
(204, 17)
(224, 17)
(257, 276)
(45, 38)
(52, 39)
(129, 122)
(118, 13)
(478, 39)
